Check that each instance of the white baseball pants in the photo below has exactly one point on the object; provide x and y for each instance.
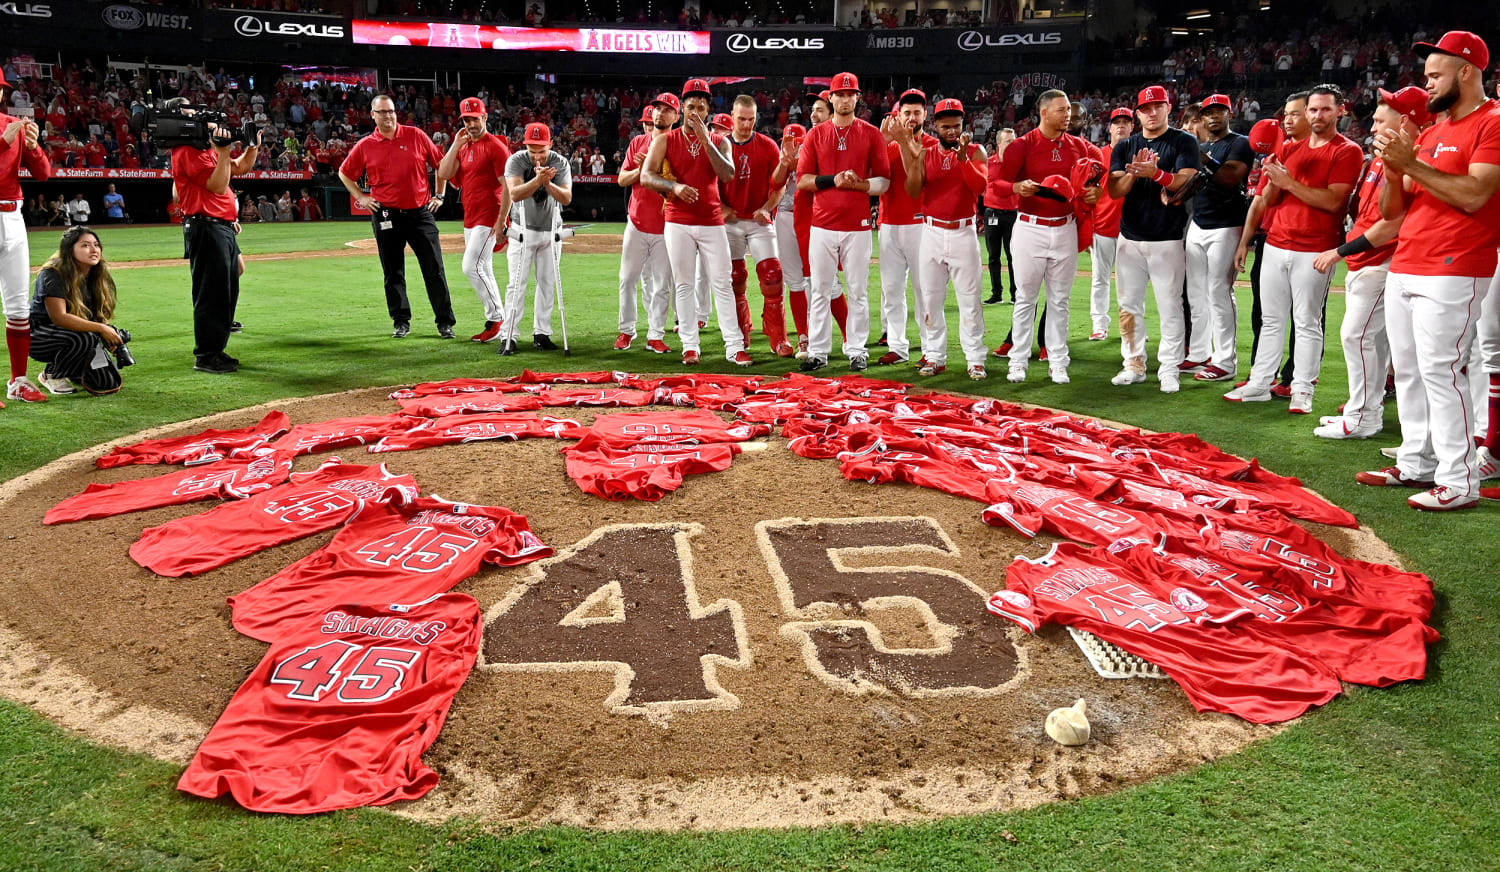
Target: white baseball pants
(479, 268)
(533, 253)
(900, 257)
(1484, 360)
(793, 271)
(644, 255)
(1431, 322)
(1102, 260)
(827, 249)
(1290, 286)
(15, 267)
(703, 289)
(1042, 255)
(1367, 353)
(1210, 285)
(951, 254)
(1163, 264)
(752, 237)
(692, 246)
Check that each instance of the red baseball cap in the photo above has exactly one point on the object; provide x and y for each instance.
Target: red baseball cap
(472, 107)
(1461, 44)
(1266, 136)
(793, 131)
(1410, 101)
(1152, 94)
(825, 94)
(948, 106)
(1217, 100)
(1087, 172)
(844, 82)
(722, 120)
(1122, 112)
(1056, 187)
(537, 133)
(697, 87)
(668, 100)
(647, 114)
(912, 95)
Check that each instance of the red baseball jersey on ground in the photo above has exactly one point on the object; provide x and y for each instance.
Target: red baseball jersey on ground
(397, 167)
(687, 380)
(1300, 227)
(754, 162)
(389, 552)
(456, 386)
(726, 399)
(460, 429)
(896, 206)
(953, 184)
(1032, 508)
(340, 709)
(646, 206)
(993, 198)
(829, 150)
(643, 471)
(1218, 667)
(680, 428)
(441, 406)
(689, 165)
(1035, 157)
(481, 172)
(234, 478)
(343, 432)
(606, 397)
(595, 377)
(205, 447)
(1369, 212)
(310, 503)
(1442, 240)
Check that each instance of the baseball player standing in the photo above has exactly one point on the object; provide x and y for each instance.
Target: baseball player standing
(1213, 234)
(19, 147)
(1158, 159)
(947, 180)
(761, 169)
(1367, 252)
(687, 165)
(645, 246)
(1106, 235)
(999, 222)
(901, 228)
(1310, 184)
(1444, 180)
(541, 183)
(843, 163)
(477, 161)
(793, 269)
(1046, 235)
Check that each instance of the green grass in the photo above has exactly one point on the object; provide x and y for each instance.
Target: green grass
(1402, 778)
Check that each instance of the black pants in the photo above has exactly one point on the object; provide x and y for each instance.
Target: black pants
(414, 227)
(213, 257)
(74, 355)
(998, 225)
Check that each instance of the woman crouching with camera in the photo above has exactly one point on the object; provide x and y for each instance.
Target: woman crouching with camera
(70, 315)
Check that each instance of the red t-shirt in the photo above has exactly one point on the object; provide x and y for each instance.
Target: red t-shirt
(953, 185)
(1442, 240)
(397, 167)
(481, 172)
(235, 478)
(896, 206)
(646, 206)
(1035, 157)
(829, 150)
(1107, 214)
(687, 164)
(94, 154)
(1369, 213)
(340, 709)
(1300, 227)
(204, 447)
(993, 198)
(191, 168)
(754, 162)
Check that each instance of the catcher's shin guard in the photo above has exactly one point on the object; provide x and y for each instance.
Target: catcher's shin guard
(772, 314)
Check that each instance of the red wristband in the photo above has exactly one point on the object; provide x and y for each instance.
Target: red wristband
(1162, 178)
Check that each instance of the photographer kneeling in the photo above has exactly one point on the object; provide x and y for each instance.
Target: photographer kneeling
(70, 315)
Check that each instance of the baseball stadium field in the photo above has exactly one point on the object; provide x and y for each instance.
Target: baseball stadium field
(1401, 778)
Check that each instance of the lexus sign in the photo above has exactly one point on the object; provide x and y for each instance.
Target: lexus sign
(974, 40)
(740, 43)
(241, 25)
(258, 25)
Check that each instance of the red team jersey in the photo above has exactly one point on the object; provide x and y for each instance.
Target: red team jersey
(343, 432)
(754, 162)
(1369, 212)
(1442, 240)
(643, 471)
(453, 387)
(462, 429)
(690, 166)
(896, 206)
(389, 552)
(442, 405)
(481, 172)
(1298, 226)
(235, 478)
(310, 503)
(678, 428)
(993, 198)
(1107, 215)
(646, 205)
(15, 156)
(340, 709)
(205, 447)
(829, 150)
(1035, 157)
(953, 185)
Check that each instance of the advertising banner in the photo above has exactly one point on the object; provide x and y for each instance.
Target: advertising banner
(435, 34)
(239, 25)
(135, 174)
(875, 44)
(149, 19)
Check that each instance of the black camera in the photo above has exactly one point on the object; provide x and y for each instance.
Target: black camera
(176, 122)
(123, 357)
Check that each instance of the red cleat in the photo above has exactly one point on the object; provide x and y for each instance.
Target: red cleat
(1281, 391)
(622, 342)
(741, 358)
(658, 346)
(785, 349)
(490, 331)
(1042, 355)
(1003, 350)
(690, 358)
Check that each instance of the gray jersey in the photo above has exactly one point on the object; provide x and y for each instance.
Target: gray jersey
(790, 194)
(540, 211)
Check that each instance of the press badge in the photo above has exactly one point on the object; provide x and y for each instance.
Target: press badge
(387, 224)
(993, 220)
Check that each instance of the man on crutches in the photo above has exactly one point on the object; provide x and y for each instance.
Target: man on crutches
(540, 185)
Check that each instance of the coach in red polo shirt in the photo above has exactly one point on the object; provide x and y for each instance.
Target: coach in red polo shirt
(395, 158)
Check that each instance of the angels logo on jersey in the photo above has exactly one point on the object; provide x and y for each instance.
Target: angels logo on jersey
(744, 169)
(1187, 601)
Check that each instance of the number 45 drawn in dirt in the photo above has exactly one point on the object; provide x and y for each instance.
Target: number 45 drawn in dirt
(642, 621)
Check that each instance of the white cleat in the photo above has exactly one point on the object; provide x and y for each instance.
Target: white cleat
(1059, 375)
(1339, 427)
(1171, 384)
(1128, 377)
(1248, 394)
(1016, 375)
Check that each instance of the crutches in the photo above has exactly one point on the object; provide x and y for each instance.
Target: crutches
(559, 233)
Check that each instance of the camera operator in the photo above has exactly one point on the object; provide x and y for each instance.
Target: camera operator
(201, 177)
(70, 315)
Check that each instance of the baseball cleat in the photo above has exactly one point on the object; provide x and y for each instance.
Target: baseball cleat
(977, 373)
(1170, 383)
(215, 363)
(932, 369)
(1016, 375)
(622, 342)
(1281, 392)
(1339, 427)
(882, 340)
(446, 331)
(59, 386)
(1128, 377)
(890, 358)
(21, 388)
(658, 346)
(1248, 394)
(1059, 375)
(813, 364)
(690, 358)
(1442, 499)
(801, 348)
(1389, 477)
(1098, 335)
(784, 349)
(1489, 465)
(1213, 374)
(236, 327)
(543, 341)
(490, 331)
(1301, 403)
(1003, 350)
(741, 358)
(401, 330)
(1191, 366)
(1390, 452)
(507, 347)
(859, 364)
(1042, 355)
(992, 299)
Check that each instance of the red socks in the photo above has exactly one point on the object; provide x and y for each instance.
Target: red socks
(840, 309)
(799, 311)
(1492, 432)
(18, 343)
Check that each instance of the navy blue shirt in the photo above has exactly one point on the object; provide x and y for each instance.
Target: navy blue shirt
(1217, 206)
(1143, 217)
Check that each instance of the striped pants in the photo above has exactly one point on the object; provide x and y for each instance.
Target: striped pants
(81, 357)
